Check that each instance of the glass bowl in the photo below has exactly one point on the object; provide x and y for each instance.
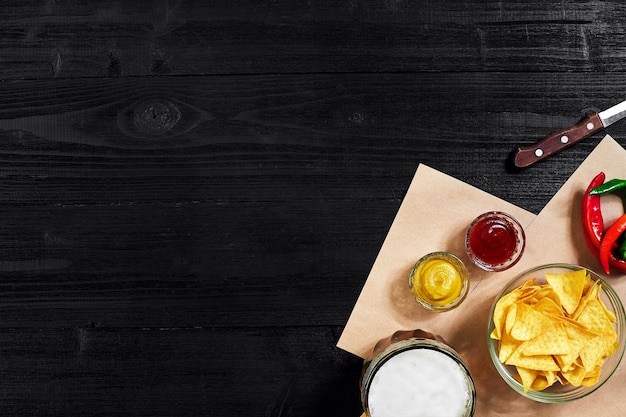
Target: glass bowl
(495, 241)
(439, 281)
(558, 393)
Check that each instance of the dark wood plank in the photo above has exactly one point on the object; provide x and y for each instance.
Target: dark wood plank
(271, 192)
(176, 371)
(94, 39)
(192, 193)
(189, 140)
(198, 265)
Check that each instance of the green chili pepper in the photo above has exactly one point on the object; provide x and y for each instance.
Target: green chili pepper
(609, 186)
(620, 249)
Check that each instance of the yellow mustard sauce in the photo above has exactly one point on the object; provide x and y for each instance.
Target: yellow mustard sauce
(437, 281)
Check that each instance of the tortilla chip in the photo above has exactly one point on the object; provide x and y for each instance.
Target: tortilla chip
(569, 287)
(595, 351)
(591, 294)
(553, 342)
(529, 323)
(507, 346)
(558, 331)
(537, 362)
(575, 376)
(594, 318)
(526, 377)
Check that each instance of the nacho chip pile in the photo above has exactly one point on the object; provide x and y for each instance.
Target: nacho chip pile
(557, 331)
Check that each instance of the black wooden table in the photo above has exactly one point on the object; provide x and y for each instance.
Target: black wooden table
(192, 193)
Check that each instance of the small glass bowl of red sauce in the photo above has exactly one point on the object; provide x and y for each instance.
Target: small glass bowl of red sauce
(495, 241)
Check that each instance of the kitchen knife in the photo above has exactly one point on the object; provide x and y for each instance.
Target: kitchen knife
(556, 141)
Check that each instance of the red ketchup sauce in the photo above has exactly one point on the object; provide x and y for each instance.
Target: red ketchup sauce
(493, 240)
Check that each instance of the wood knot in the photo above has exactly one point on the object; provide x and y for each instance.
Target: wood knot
(156, 117)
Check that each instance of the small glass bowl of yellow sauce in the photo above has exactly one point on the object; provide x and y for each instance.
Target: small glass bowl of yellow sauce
(439, 281)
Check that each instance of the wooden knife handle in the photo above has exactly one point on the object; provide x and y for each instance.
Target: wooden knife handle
(556, 141)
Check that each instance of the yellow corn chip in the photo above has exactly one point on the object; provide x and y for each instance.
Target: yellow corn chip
(555, 332)
(595, 351)
(575, 376)
(500, 312)
(553, 342)
(569, 287)
(550, 376)
(591, 294)
(543, 293)
(526, 377)
(594, 318)
(540, 383)
(507, 346)
(537, 362)
(578, 338)
(529, 323)
(511, 317)
(592, 377)
(548, 307)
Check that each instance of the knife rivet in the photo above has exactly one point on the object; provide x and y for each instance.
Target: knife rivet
(564, 139)
(538, 153)
(590, 126)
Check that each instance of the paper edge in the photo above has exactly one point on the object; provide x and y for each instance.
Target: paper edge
(421, 169)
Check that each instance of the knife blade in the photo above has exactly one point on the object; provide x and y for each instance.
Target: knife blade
(561, 139)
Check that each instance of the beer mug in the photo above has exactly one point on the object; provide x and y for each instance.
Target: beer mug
(414, 373)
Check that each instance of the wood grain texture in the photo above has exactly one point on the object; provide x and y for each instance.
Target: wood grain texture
(180, 371)
(39, 40)
(192, 193)
(250, 139)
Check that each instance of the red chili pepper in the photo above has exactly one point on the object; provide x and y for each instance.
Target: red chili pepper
(593, 224)
(617, 263)
(609, 240)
